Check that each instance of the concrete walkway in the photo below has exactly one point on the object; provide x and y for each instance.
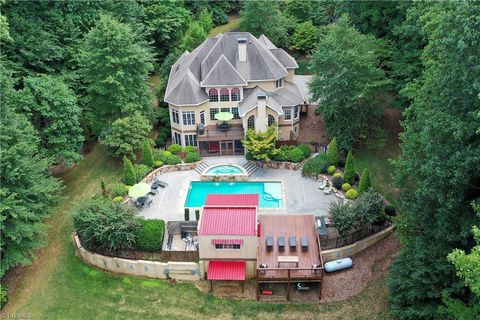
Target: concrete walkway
(301, 196)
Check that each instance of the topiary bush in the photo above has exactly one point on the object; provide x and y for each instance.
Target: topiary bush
(188, 149)
(349, 172)
(191, 157)
(150, 234)
(351, 194)
(338, 175)
(187, 214)
(118, 190)
(128, 172)
(141, 170)
(295, 155)
(331, 170)
(147, 157)
(162, 155)
(332, 152)
(346, 186)
(174, 148)
(173, 160)
(315, 166)
(364, 181)
(305, 149)
(158, 164)
(118, 199)
(337, 182)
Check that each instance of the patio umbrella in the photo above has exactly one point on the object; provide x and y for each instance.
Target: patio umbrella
(139, 190)
(224, 116)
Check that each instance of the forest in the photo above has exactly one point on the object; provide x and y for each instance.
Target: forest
(74, 73)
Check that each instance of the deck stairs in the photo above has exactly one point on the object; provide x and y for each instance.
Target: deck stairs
(201, 167)
(250, 167)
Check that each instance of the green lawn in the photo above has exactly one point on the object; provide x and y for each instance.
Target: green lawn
(233, 23)
(59, 286)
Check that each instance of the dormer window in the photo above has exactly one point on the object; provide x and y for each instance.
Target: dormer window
(224, 95)
(213, 95)
(278, 83)
(235, 94)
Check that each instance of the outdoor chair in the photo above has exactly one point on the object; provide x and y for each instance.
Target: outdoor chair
(292, 240)
(153, 192)
(323, 184)
(159, 183)
(328, 190)
(140, 202)
(281, 243)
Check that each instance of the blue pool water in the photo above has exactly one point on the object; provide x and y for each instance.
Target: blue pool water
(224, 169)
(270, 193)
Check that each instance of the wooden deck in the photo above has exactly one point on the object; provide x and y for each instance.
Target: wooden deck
(287, 226)
(212, 133)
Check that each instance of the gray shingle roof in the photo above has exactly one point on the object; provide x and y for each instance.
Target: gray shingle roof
(215, 63)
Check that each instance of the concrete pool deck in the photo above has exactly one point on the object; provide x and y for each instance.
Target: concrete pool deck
(301, 196)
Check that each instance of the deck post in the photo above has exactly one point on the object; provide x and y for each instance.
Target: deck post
(288, 285)
(258, 286)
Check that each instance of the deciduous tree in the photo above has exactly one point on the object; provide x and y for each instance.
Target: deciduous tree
(261, 145)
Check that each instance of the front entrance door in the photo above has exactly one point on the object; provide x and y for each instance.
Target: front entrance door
(226, 148)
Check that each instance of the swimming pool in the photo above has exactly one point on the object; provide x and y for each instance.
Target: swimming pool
(224, 169)
(270, 193)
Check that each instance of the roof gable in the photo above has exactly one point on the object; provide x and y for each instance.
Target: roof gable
(223, 74)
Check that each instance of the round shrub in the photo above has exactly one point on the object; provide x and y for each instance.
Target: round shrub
(351, 194)
(346, 186)
(174, 148)
(118, 190)
(337, 182)
(192, 157)
(331, 170)
(305, 149)
(281, 155)
(338, 175)
(160, 141)
(150, 234)
(141, 170)
(296, 155)
(118, 199)
(127, 188)
(189, 149)
(173, 159)
(162, 155)
(158, 164)
(390, 210)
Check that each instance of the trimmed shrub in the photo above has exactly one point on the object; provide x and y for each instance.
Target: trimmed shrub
(173, 159)
(150, 234)
(338, 175)
(192, 157)
(331, 170)
(305, 149)
(187, 214)
(315, 166)
(162, 155)
(364, 181)
(197, 214)
(3, 296)
(118, 190)
(346, 186)
(349, 172)
(189, 149)
(332, 152)
(280, 155)
(351, 194)
(160, 141)
(337, 182)
(390, 210)
(141, 171)
(118, 199)
(147, 158)
(158, 164)
(295, 155)
(128, 172)
(174, 148)
(248, 156)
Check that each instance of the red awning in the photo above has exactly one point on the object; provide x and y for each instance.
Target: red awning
(226, 270)
(227, 241)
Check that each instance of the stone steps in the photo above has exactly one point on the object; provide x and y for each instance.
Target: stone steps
(250, 167)
(201, 167)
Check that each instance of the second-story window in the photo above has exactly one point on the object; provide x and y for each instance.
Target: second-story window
(251, 122)
(295, 112)
(188, 117)
(213, 95)
(224, 95)
(235, 94)
(213, 112)
(175, 118)
(202, 116)
(278, 83)
(235, 113)
(288, 114)
(271, 120)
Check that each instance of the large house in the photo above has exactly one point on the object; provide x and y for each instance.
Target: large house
(237, 73)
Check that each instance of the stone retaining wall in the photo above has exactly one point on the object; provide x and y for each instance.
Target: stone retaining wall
(190, 271)
(357, 247)
(170, 168)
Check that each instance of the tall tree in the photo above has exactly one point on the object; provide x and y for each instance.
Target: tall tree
(115, 62)
(272, 25)
(52, 109)
(347, 77)
(440, 161)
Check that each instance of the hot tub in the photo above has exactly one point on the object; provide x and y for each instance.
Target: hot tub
(224, 172)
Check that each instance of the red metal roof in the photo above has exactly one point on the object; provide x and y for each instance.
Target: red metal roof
(240, 221)
(232, 200)
(226, 270)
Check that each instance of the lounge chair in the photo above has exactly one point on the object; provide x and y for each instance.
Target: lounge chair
(159, 183)
(328, 190)
(322, 184)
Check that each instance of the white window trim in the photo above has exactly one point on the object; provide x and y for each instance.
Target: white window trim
(285, 114)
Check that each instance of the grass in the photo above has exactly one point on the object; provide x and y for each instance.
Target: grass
(59, 286)
(233, 23)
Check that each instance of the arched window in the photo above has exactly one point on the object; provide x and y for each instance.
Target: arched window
(271, 120)
(213, 95)
(224, 95)
(251, 122)
(235, 94)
